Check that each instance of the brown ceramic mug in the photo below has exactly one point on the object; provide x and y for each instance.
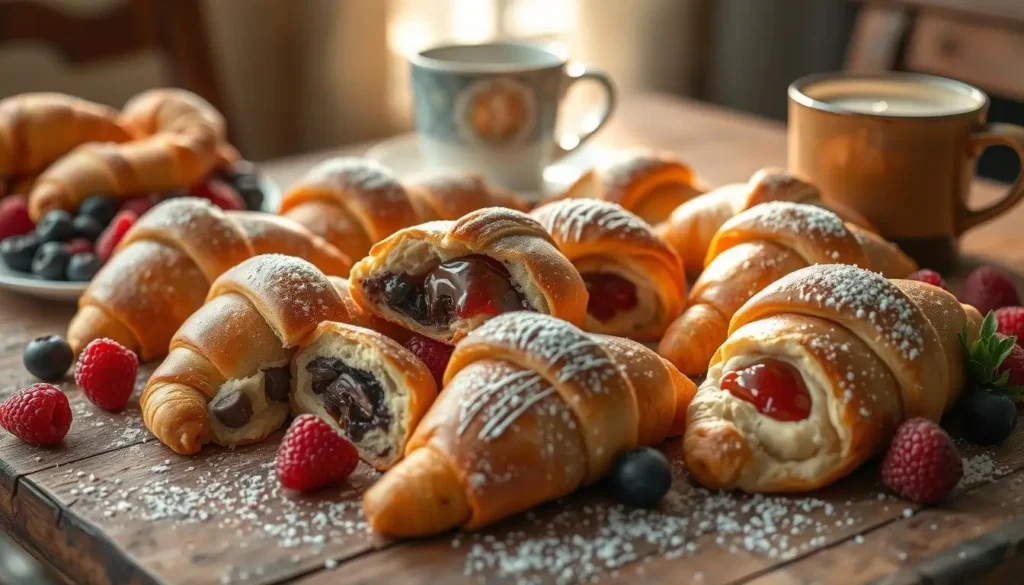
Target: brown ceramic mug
(900, 148)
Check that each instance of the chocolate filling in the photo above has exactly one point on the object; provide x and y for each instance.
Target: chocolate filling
(352, 396)
(460, 288)
(277, 384)
(233, 409)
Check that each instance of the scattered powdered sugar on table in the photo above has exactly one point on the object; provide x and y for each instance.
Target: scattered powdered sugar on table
(981, 468)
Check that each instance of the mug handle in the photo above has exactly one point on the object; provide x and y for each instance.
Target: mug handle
(574, 73)
(993, 135)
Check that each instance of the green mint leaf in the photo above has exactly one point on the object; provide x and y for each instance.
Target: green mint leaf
(989, 325)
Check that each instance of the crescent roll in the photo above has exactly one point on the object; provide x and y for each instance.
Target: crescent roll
(692, 225)
(756, 248)
(818, 371)
(227, 378)
(532, 409)
(648, 183)
(634, 280)
(444, 278)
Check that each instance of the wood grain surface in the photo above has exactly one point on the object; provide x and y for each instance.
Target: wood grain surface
(113, 506)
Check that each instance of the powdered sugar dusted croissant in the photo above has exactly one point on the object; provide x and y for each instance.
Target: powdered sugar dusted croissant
(818, 371)
(533, 408)
(356, 202)
(648, 183)
(756, 248)
(634, 280)
(367, 385)
(163, 267)
(227, 378)
(444, 278)
(692, 225)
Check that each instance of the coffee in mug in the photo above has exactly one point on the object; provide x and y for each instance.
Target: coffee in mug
(901, 149)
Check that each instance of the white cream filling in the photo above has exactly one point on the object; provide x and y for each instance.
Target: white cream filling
(267, 415)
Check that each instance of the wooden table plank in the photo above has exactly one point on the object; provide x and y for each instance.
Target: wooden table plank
(159, 535)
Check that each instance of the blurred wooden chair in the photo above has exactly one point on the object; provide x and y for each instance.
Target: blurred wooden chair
(978, 41)
(173, 28)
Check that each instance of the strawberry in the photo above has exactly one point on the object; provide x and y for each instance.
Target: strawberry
(922, 463)
(928, 276)
(433, 353)
(39, 414)
(14, 220)
(111, 237)
(994, 362)
(106, 373)
(313, 454)
(987, 289)
(140, 205)
(220, 194)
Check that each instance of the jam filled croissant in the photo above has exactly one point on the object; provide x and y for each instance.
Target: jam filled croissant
(756, 248)
(635, 282)
(533, 409)
(818, 371)
(227, 378)
(444, 278)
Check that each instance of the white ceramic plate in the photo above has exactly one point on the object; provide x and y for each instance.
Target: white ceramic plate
(402, 155)
(50, 290)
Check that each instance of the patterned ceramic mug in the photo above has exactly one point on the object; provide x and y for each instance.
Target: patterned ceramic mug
(492, 109)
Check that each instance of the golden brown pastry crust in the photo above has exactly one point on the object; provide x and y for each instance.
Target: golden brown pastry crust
(872, 354)
(601, 237)
(255, 316)
(648, 183)
(533, 408)
(691, 226)
(754, 249)
(162, 270)
(544, 277)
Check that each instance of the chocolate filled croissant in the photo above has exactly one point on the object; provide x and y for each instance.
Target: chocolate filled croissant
(634, 280)
(162, 270)
(364, 383)
(693, 224)
(354, 203)
(533, 409)
(756, 248)
(818, 371)
(227, 378)
(444, 278)
(648, 183)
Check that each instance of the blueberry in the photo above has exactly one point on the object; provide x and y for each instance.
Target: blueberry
(102, 209)
(252, 194)
(48, 358)
(87, 226)
(51, 261)
(55, 226)
(641, 477)
(988, 418)
(82, 267)
(17, 251)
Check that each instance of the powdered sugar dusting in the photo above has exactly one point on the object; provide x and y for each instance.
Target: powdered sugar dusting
(568, 220)
(291, 281)
(869, 296)
(798, 218)
(360, 175)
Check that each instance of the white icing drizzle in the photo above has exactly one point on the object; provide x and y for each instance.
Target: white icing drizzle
(566, 220)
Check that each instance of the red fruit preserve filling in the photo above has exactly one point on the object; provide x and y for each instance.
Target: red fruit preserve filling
(609, 294)
(776, 388)
(469, 286)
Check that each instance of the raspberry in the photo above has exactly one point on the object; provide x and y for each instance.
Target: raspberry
(1011, 322)
(220, 194)
(111, 236)
(106, 373)
(79, 246)
(314, 455)
(922, 463)
(987, 289)
(139, 205)
(39, 414)
(929, 276)
(433, 353)
(1015, 364)
(14, 220)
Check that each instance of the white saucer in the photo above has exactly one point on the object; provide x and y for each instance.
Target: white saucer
(52, 290)
(402, 155)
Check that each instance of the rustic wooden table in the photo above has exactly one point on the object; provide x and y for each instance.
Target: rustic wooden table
(113, 506)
